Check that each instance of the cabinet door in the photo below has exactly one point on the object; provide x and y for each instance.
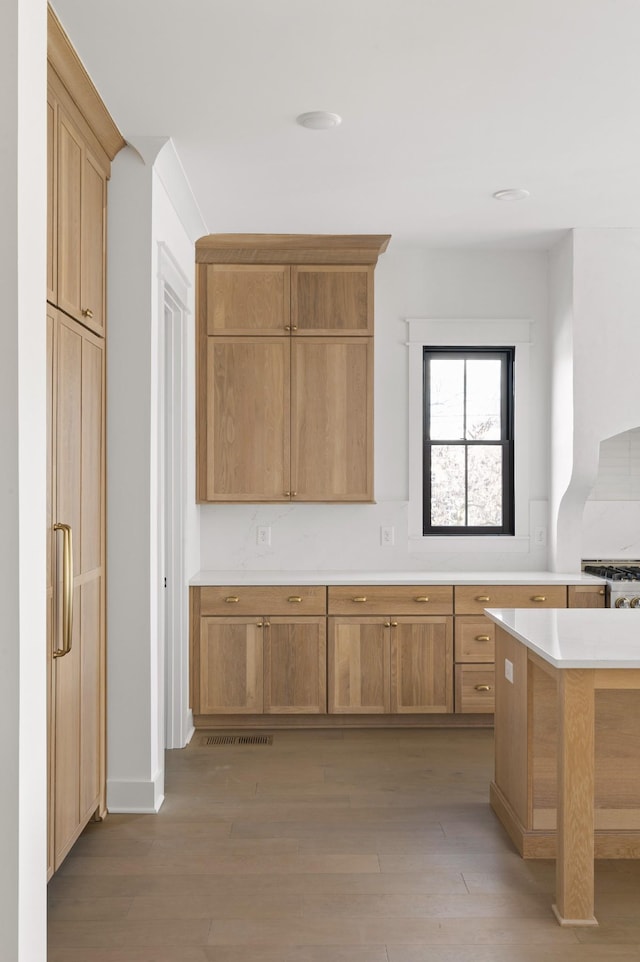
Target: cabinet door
(295, 666)
(52, 199)
(359, 666)
(93, 243)
(421, 665)
(78, 677)
(332, 419)
(247, 422)
(245, 298)
(70, 165)
(586, 596)
(231, 666)
(332, 299)
(81, 206)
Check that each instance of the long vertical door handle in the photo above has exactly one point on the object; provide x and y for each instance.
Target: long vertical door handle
(67, 590)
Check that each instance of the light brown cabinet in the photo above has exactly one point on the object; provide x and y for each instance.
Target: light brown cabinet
(77, 214)
(284, 401)
(475, 636)
(400, 663)
(81, 145)
(262, 664)
(586, 596)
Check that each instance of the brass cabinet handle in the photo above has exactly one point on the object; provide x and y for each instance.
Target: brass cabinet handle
(394, 624)
(483, 687)
(424, 598)
(294, 327)
(294, 494)
(87, 312)
(67, 590)
(483, 598)
(287, 494)
(232, 600)
(287, 327)
(483, 637)
(539, 598)
(295, 599)
(259, 624)
(267, 624)
(387, 624)
(360, 598)
(601, 592)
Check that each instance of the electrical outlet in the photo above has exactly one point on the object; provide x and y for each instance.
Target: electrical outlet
(263, 534)
(387, 535)
(508, 670)
(540, 536)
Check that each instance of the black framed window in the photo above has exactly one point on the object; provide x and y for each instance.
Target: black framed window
(468, 441)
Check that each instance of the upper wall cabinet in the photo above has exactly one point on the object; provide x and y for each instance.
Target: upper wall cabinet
(285, 367)
(82, 141)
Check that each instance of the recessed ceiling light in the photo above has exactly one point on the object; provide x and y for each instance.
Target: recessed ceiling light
(318, 120)
(511, 193)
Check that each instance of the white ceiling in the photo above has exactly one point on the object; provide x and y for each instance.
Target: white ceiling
(443, 102)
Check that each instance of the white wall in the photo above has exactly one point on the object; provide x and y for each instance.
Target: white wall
(23, 694)
(142, 215)
(603, 278)
(410, 283)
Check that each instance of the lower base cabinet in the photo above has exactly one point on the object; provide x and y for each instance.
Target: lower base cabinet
(342, 654)
(390, 664)
(254, 665)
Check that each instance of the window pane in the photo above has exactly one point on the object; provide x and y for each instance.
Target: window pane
(447, 485)
(446, 414)
(483, 400)
(484, 472)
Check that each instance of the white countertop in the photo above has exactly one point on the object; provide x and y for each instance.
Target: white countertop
(222, 578)
(576, 637)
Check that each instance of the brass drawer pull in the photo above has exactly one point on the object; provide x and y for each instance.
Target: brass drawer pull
(360, 598)
(423, 598)
(483, 598)
(232, 600)
(87, 312)
(483, 637)
(483, 687)
(539, 598)
(295, 599)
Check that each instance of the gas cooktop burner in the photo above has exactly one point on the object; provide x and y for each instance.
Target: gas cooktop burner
(614, 572)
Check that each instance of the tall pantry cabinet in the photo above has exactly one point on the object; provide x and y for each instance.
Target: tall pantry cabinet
(82, 141)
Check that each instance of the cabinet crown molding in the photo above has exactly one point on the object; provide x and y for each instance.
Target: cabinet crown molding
(291, 248)
(65, 61)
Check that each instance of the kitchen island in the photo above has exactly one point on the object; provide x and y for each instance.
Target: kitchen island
(567, 742)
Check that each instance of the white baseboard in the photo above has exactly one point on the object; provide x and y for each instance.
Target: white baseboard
(130, 796)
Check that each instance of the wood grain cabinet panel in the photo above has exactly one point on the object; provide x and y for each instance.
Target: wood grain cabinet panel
(231, 660)
(380, 599)
(422, 664)
(52, 198)
(332, 299)
(475, 638)
(247, 419)
(276, 599)
(81, 226)
(332, 419)
(359, 666)
(473, 599)
(242, 299)
(295, 660)
(76, 498)
(586, 596)
(475, 688)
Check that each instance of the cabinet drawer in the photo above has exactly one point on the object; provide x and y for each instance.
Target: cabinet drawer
(472, 599)
(475, 688)
(475, 639)
(391, 600)
(263, 600)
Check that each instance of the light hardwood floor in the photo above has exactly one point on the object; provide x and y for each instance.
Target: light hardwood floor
(352, 846)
